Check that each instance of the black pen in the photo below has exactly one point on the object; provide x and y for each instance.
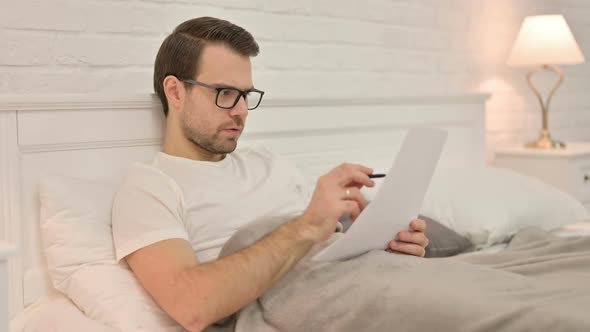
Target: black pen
(376, 175)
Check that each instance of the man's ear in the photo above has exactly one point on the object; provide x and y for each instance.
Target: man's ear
(175, 92)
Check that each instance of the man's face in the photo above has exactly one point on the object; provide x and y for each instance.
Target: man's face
(213, 129)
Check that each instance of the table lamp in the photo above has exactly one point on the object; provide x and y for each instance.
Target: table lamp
(543, 42)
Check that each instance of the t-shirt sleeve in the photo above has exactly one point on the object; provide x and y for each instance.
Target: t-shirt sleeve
(148, 208)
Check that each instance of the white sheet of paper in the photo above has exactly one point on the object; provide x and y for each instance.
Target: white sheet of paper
(398, 200)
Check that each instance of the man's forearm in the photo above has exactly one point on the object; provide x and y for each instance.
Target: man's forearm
(222, 287)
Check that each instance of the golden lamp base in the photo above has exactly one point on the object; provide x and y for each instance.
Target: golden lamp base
(545, 142)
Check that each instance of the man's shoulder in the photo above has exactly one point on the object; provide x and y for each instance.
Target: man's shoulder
(141, 170)
(145, 175)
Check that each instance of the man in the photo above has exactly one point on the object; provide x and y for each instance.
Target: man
(171, 218)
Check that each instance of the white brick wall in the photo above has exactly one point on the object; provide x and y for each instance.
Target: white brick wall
(309, 48)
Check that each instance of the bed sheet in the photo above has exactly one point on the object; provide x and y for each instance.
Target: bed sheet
(58, 313)
(55, 313)
(570, 230)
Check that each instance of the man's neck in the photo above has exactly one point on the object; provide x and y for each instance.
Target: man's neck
(190, 151)
(179, 146)
(193, 155)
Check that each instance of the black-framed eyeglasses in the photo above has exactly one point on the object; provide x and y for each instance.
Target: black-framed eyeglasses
(228, 97)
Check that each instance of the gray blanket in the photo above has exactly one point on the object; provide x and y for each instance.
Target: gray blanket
(540, 283)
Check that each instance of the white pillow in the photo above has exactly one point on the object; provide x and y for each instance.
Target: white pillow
(127, 306)
(41, 317)
(489, 205)
(78, 244)
(75, 225)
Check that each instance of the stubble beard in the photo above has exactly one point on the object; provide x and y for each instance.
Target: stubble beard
(211, 144)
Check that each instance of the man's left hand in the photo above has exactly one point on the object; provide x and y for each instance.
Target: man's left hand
(410, 242)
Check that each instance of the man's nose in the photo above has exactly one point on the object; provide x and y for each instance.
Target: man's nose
(241, 108)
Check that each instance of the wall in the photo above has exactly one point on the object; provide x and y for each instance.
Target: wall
(309, 49)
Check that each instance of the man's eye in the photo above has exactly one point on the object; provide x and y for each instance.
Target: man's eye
(226, 92)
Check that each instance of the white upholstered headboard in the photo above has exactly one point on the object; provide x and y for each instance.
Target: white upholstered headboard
(97, 137)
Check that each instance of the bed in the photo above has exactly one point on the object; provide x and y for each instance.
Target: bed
(97, 137)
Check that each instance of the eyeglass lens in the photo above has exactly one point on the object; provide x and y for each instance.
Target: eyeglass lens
(227, 98)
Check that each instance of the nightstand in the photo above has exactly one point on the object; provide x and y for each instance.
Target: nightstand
(567, 169)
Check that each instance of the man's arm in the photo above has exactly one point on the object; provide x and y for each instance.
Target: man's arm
(197, 295)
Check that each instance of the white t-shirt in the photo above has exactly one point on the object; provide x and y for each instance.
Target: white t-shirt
(203, 202)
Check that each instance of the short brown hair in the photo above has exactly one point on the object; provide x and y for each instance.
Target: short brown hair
(180, 52)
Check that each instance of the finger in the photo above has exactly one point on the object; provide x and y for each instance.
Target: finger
(355, 177)
(345, 173)
(354, 184)
(352, 208)
(355, 195)
(418, 225)
(407, 248)
(418, 238)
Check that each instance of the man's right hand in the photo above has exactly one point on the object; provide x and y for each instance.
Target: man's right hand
(336, 193)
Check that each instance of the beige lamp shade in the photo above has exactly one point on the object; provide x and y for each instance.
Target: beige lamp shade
(545, 39)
